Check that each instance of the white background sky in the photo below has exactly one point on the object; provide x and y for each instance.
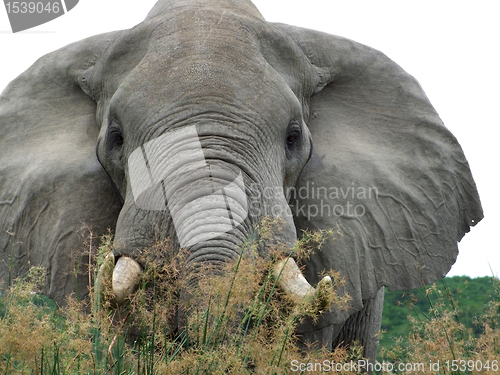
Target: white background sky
(451, 47)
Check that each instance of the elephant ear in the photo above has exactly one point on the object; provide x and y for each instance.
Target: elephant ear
(384, 171)
(52, 187)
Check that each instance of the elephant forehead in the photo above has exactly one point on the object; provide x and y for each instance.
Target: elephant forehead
(207, 61)
(171, 6)
(189, 31)
(198, 85)
(202, 55)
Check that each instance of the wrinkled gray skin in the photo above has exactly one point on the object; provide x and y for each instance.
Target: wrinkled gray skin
(281, 105)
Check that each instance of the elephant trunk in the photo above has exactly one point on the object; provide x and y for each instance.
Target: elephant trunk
(206, 202)
(205, 209)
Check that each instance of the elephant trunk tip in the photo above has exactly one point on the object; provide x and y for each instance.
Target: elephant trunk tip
(126, 276)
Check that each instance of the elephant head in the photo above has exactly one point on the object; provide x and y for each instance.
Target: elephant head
(203, 119)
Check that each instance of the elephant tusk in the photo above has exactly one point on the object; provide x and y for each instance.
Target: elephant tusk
(125, 278)
(294, 284)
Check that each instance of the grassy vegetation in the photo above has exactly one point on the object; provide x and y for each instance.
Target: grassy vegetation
(455, 322)
(236, 322)
(469, 294)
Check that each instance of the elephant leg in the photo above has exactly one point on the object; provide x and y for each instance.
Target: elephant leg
(364, 327)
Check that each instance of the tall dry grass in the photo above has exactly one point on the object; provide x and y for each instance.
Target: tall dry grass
(439, 343)
(234, 321)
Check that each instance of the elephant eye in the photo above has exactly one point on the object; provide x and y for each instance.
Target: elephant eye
(116, 138)
(119, 139)
(293, 135)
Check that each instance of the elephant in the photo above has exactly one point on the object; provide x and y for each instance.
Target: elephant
(202, 120)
